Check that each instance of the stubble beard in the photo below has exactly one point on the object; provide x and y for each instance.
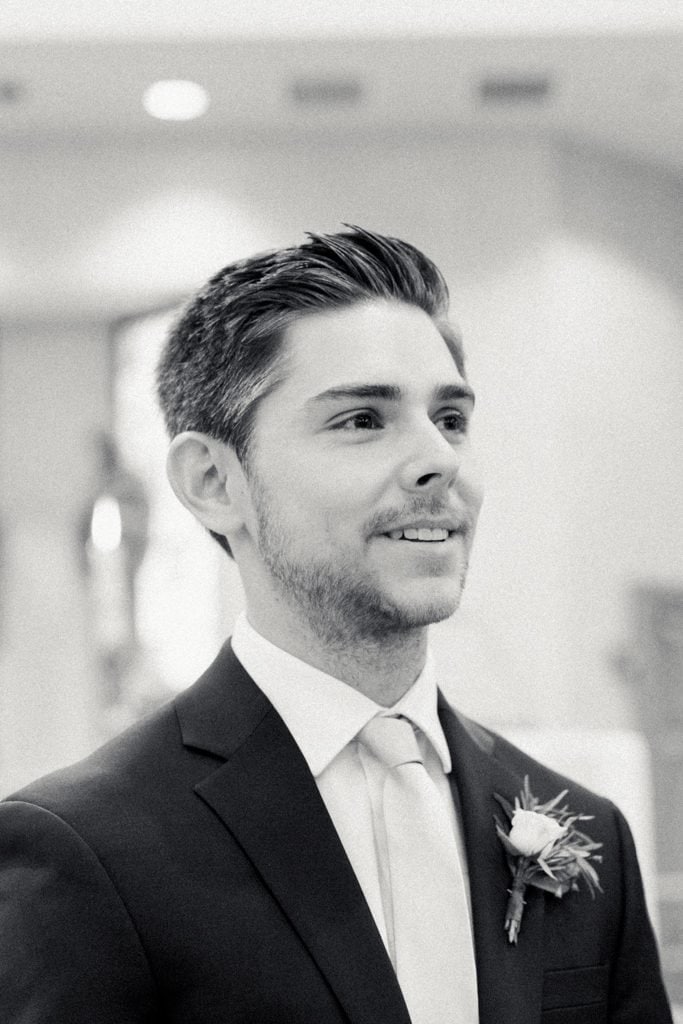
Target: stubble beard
(338, 607)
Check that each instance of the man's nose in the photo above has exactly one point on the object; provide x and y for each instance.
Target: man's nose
(432, 463)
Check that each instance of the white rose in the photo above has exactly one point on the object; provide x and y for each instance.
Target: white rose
(531, 832)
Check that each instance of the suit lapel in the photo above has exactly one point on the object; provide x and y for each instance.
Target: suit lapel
(267, 798)
(510, 977)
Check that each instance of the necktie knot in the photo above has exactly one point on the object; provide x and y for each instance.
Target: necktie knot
(391, 740)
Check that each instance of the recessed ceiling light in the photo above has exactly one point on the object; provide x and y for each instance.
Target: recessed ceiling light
(336, 91)
(175, 99)
(515, 88)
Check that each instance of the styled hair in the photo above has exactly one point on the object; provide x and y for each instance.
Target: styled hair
(225, 353)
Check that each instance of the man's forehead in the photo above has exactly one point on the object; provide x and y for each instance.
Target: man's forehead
(377, 342)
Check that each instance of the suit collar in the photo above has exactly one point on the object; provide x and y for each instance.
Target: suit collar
(510, 977)
(221, 710)
(267, 798)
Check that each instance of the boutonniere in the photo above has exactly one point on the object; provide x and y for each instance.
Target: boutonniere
(544, 849)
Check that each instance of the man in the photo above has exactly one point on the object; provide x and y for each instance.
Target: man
(261, 850)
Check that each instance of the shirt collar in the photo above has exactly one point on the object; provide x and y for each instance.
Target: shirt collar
(322, 713)
(420, 705)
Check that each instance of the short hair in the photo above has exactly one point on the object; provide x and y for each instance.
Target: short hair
(225, 353)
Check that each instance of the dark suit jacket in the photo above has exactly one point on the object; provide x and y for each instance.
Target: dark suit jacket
(189, 872)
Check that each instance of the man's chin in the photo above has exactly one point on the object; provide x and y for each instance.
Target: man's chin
(413, 613)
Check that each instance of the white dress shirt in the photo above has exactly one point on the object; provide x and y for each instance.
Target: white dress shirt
(324, 716)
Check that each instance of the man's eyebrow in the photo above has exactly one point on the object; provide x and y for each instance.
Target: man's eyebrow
(392, 393)
(454, 393)
(386, 392)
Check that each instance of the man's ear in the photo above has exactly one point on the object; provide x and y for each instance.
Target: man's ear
(208, 479)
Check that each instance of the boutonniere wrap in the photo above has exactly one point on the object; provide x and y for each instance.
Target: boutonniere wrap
(544, 849)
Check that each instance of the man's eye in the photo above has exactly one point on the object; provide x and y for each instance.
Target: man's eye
(454, 421)
(359, 421)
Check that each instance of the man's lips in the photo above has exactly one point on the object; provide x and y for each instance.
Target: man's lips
(426, 531)
(422, 525)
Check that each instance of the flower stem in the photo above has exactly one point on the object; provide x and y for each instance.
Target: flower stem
(516, 903)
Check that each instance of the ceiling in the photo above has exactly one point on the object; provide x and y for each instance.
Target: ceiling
(32, 20)
(616, 81)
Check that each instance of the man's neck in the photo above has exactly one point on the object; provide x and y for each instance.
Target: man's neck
(382, 669)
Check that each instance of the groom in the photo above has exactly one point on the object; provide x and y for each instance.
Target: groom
(307, 833)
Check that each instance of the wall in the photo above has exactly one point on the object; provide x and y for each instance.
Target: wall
(585, 454)
(53, 395)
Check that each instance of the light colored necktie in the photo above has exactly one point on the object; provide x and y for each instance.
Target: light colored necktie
(434, 956)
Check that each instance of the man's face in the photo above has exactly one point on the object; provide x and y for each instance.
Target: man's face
(362, 500)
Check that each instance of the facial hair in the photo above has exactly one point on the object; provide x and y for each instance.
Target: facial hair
(339, 605)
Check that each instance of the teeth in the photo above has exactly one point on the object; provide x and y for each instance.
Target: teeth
(424, 533)
(421, 533)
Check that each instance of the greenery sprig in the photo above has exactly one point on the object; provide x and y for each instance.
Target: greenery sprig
(544, 849)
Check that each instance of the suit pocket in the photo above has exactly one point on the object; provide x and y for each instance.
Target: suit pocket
(576, 996)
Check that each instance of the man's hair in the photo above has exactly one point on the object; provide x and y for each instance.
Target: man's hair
(225, 353)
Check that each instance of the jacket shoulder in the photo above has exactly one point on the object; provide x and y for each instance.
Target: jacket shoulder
(156, 762)
(140, 751)
(545, 782)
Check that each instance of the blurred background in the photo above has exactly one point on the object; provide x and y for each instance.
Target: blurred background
(535, 151)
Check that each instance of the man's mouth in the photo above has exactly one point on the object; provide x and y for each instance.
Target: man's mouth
(421, 533)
